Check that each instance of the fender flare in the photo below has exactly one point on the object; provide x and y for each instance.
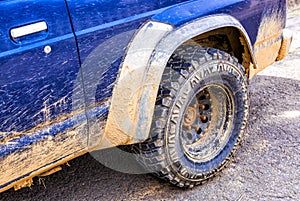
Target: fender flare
(134, 95)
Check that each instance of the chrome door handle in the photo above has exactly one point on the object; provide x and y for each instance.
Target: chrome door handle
(28, 29)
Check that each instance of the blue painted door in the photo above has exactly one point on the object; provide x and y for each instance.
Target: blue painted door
(103, 29)
(40, 80)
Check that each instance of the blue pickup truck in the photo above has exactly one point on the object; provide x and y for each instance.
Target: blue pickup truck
(166, 78)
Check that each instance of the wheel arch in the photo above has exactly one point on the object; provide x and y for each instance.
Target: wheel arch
(134, 94)
(230, 40)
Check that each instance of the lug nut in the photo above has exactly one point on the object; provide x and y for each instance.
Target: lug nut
(203, 118)
(202, 107)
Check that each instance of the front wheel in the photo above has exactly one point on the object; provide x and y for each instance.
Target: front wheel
(200, 114)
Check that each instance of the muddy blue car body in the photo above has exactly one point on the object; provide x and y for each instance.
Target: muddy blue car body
(81, 75)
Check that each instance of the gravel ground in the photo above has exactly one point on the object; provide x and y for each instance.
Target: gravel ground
(265, 167)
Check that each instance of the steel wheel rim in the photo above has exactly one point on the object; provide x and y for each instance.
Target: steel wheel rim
(207, 123)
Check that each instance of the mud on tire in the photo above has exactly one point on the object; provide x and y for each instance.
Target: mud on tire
(200, 115)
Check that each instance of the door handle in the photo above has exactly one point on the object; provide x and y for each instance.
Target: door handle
(28, 29)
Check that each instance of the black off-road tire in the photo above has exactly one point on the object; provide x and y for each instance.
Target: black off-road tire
(200, 115)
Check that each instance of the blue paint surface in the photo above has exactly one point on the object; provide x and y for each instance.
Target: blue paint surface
(88, 41)
(36, 87)
(185, 12)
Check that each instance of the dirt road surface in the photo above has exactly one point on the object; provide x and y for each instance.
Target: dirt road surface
(266, 165)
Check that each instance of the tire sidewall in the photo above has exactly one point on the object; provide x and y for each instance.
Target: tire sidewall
(218, 71)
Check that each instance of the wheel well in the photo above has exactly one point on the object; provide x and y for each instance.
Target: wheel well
(228, 39)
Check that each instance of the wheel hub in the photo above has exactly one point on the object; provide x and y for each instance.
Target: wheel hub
(196, 118)
(208, 116)
(190, 117)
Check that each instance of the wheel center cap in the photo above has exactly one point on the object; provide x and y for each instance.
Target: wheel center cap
(190, 116)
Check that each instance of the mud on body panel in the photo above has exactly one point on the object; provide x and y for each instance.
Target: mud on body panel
(49, 149)
(269, 37)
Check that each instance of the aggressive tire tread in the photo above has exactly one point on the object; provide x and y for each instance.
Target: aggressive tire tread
(152, 152)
